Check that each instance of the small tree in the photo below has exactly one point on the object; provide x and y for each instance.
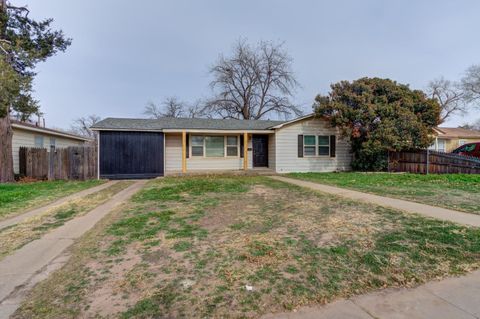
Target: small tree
(379, 115)
(253, 83)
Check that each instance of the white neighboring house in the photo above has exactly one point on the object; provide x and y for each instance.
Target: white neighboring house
(32, 135)
(145, 148)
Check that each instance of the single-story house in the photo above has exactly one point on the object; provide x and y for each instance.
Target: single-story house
(145, 148)
(448, 139)
(33, 135)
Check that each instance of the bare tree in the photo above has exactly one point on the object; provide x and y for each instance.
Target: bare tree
(197, 110)
(81, 126)
(450, 95)
(253, 83)
(170, 107)
(471, 83)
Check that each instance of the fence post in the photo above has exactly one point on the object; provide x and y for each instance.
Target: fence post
(428, 161)
(51, 170)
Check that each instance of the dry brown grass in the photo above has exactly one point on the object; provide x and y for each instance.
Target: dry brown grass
(179, 251)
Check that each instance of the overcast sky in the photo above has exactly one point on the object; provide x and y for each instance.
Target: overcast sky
(126, 53)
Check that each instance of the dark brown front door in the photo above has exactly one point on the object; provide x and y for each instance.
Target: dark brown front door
(260, 150)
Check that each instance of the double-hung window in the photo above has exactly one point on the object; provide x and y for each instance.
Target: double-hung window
(314, 145)
(197, 145)
(232, 145)
(309, 145)
(323, 145)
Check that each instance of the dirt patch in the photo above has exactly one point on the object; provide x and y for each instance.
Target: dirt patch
(107, 295)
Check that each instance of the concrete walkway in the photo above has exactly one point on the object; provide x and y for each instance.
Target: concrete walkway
(29, 264)
(450, 298)
(37, 211)
(407, 206)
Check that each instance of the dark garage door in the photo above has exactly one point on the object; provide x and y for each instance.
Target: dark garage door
(131, 154)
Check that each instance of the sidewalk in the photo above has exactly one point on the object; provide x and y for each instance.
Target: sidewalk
(456, 298)
(34, 261)
(407, 206)
(37, 211)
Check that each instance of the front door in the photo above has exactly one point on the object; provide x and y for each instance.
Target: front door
(260, 150)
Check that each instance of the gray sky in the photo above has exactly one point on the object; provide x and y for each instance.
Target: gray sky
(125, 53)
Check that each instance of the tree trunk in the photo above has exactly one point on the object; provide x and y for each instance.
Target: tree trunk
(6, 134)
(6, 155)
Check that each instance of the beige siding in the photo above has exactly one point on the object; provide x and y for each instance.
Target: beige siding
(173, 158)
(286, 147)
(271, 151)
(27, 139)
(173, 152)
(454, 143)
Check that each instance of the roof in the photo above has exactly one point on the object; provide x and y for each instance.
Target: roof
(457, 132)
(182, 123)
(298, 119)
(36, 128)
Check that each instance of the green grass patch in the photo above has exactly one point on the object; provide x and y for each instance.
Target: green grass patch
(15, 198)
(454, 191)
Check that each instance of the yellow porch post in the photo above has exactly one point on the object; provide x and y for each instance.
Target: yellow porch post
(184, 151)
(245, 150)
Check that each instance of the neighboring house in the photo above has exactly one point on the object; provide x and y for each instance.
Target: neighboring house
(143, 148)
(448, 139)
(31, 135)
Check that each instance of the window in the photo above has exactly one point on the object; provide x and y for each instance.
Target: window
(197, 145)
(312, 143)
(214, 146)
(232, 145)
(309, 145)
(323, 145)
(52, 141)
(39, 141)
(441, 145)
(462, 142)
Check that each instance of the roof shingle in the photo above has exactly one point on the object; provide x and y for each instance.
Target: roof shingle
(183, 123)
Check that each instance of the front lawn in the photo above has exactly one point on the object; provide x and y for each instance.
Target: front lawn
(455, 191)
(16, 236)
(242, 247)
(16, 198)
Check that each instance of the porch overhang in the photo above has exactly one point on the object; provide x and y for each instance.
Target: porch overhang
(204, 131)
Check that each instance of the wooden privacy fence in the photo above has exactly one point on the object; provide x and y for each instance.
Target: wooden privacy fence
(71, 163)
(426, 161)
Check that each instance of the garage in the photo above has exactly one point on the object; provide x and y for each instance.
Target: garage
(127, 155)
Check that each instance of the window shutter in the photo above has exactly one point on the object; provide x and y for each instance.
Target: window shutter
(300, 146)
(333, 145)
(188, 145)
(241, 146)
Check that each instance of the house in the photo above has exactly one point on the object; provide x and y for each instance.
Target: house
(33, 135)
(448, 139)
(144, 148)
